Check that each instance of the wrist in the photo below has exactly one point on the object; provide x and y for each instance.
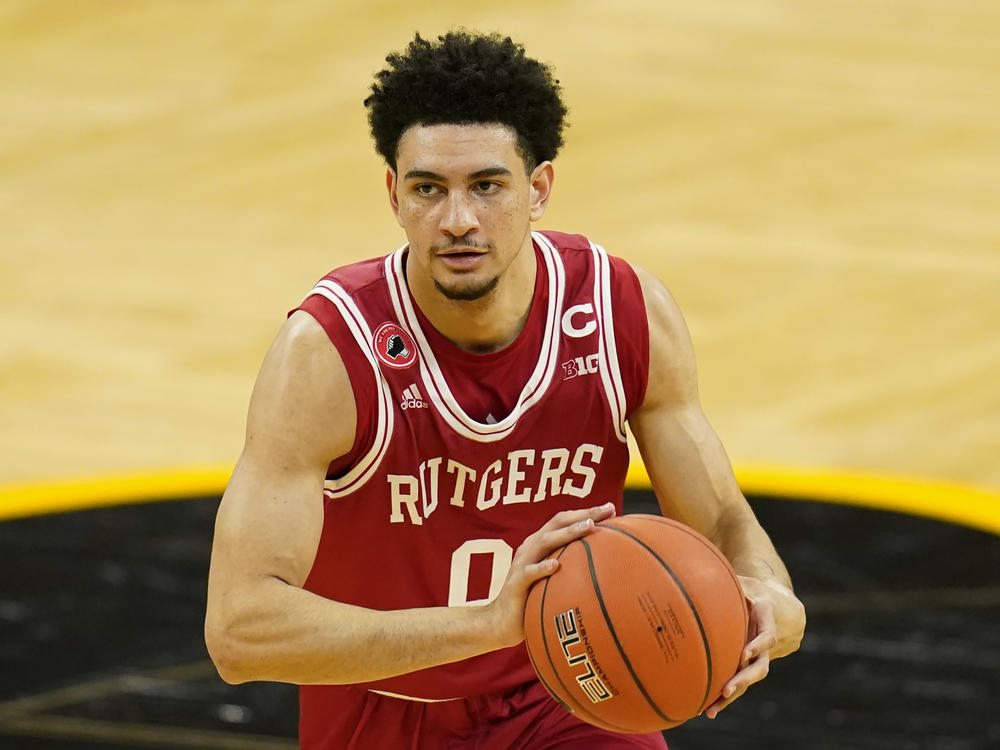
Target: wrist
(777, 585)
(481, 626)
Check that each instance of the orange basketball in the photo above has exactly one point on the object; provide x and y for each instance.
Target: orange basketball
(640, 627)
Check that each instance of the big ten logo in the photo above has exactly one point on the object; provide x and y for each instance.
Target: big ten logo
(581, 366)
(570, 637)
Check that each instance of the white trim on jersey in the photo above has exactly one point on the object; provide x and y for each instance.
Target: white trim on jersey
(412, 697)
(430, 371)
(610, 370)
(362, 471)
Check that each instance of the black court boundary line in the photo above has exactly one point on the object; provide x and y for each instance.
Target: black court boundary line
(975, 507)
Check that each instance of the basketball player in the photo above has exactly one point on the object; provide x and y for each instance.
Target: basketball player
(429, 425)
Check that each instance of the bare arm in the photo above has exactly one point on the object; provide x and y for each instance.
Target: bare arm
(260, 623)
(694, 483)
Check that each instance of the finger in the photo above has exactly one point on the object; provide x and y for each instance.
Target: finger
(565, 534)
(730, 694)
(569, 517)
(761, 645)
(764, 629)
(540, 570)
(544, 543)
(739, 684)
(563, 528)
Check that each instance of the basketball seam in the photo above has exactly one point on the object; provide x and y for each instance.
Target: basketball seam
(614, 635)
(531, 657)
(698, 538)
(694, 610)
(548, 653)
(538, 674)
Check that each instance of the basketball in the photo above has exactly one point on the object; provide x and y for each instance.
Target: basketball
(641, 626)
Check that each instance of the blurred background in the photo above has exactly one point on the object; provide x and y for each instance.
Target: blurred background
(818, 183)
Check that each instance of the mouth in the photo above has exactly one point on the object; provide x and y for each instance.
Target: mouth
(462, 257)
(462, 250)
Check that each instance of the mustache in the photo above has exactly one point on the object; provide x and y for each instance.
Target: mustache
(451, 244)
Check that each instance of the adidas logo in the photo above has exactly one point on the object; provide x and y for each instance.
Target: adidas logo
(412, 399)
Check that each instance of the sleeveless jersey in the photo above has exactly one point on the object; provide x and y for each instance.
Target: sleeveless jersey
(459, 456)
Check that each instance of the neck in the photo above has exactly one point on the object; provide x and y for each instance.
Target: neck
(489, 323)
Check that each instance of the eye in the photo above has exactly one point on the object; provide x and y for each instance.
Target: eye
(426, 188)
(487, 186)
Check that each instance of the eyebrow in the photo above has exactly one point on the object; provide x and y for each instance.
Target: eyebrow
(424, 174)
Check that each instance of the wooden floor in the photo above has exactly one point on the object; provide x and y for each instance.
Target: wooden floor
(817, 182)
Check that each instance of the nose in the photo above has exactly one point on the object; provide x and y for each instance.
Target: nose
(459, 215)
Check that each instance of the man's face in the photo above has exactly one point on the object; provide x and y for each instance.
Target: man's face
(461, 194)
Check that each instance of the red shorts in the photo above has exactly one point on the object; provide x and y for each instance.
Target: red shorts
(525, 719)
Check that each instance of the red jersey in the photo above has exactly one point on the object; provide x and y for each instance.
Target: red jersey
(459, 456)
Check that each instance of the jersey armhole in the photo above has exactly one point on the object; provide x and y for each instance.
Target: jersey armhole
(631, 332)
(359, 372)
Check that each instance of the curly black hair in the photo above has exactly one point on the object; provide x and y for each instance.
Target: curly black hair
(467, 78)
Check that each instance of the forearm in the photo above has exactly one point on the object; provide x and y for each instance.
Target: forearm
(693, 478)
(753, 556)
(748, 547)
(278, 632)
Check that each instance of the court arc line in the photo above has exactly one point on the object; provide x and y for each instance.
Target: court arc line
(965, 505)
(105, 490)
(975, 507)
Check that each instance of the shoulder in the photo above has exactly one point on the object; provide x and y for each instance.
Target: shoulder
(671, 353)
(302, 400)
(300, 342)
(584, 260)
(666, 321)
(351, 281)
(583, 252)
(564, 241)
(354, 277)
(345, 296)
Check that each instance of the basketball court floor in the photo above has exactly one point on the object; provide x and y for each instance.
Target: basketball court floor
(102, 611)
(818, 183)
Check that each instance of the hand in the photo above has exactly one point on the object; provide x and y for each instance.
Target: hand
(777, 623)
(531, 563)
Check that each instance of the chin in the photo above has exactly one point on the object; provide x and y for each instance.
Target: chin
(468, 291)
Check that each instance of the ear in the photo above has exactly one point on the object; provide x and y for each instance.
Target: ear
(541, 180)
(390, 185)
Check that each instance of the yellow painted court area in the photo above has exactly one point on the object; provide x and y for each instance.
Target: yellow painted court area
(953, 503)
(817, 182)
